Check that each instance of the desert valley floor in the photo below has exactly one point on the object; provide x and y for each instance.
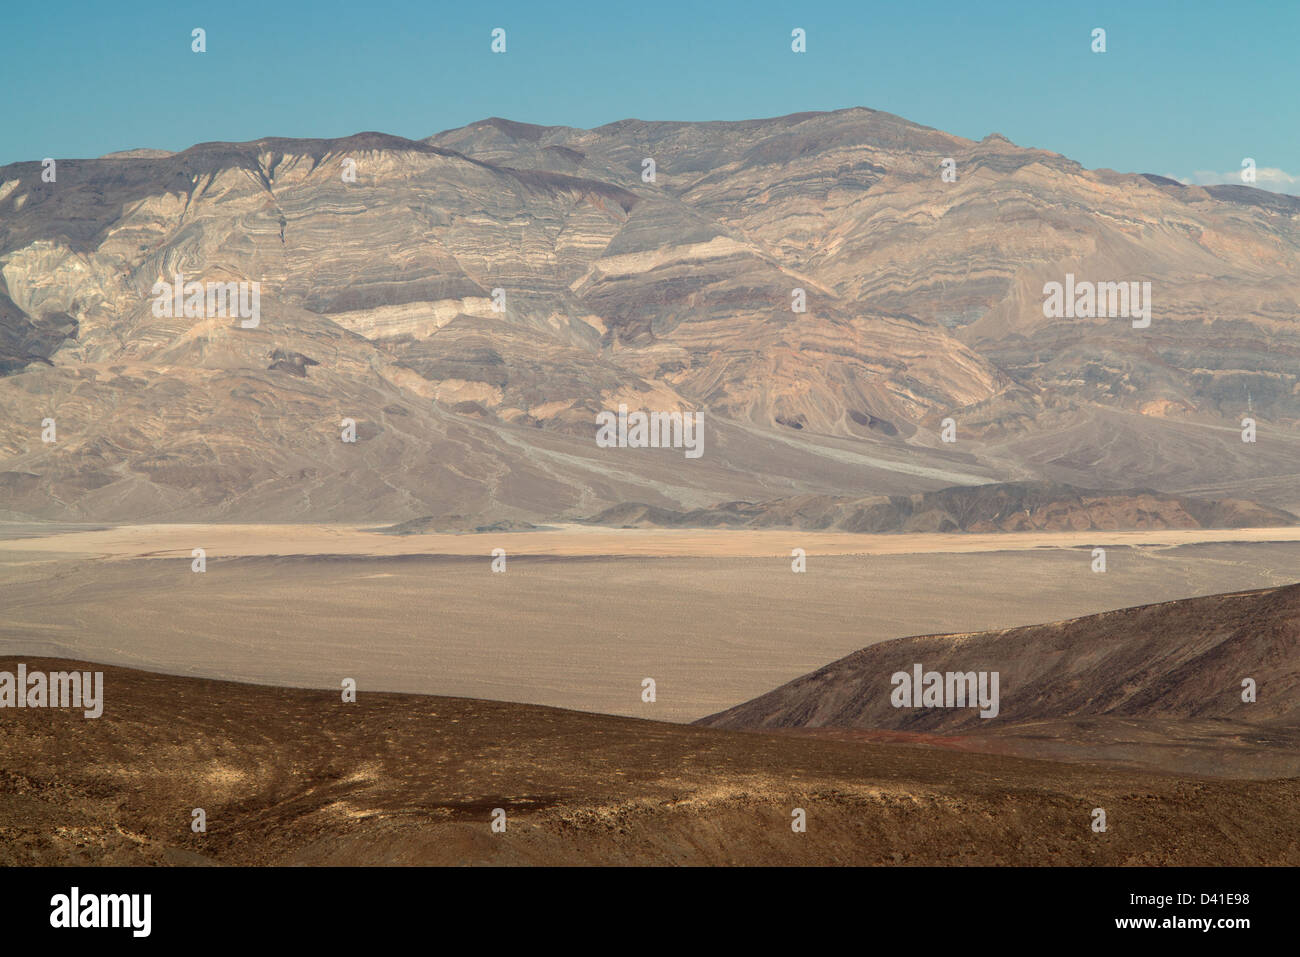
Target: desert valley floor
(581, 615)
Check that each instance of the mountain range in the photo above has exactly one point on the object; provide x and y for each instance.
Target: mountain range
(471, 301)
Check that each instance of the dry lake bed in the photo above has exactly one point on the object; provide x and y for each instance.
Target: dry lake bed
(581, 615)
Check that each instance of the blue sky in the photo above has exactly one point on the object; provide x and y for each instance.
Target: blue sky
(1185, 88)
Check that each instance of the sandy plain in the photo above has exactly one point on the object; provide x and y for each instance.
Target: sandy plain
(581, 615)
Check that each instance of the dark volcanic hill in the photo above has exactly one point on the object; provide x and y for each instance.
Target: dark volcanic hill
(1182, 661)
(380, 295)
(1000, 507)
(1152, 687)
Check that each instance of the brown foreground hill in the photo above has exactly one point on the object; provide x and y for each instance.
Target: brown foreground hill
(291, 776)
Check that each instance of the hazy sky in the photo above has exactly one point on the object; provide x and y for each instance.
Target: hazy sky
(1186, 89)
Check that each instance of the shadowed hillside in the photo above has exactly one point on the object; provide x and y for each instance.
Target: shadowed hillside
(997, 507)
(1180, 659)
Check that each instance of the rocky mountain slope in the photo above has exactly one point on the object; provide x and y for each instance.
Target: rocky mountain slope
(473, 300)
